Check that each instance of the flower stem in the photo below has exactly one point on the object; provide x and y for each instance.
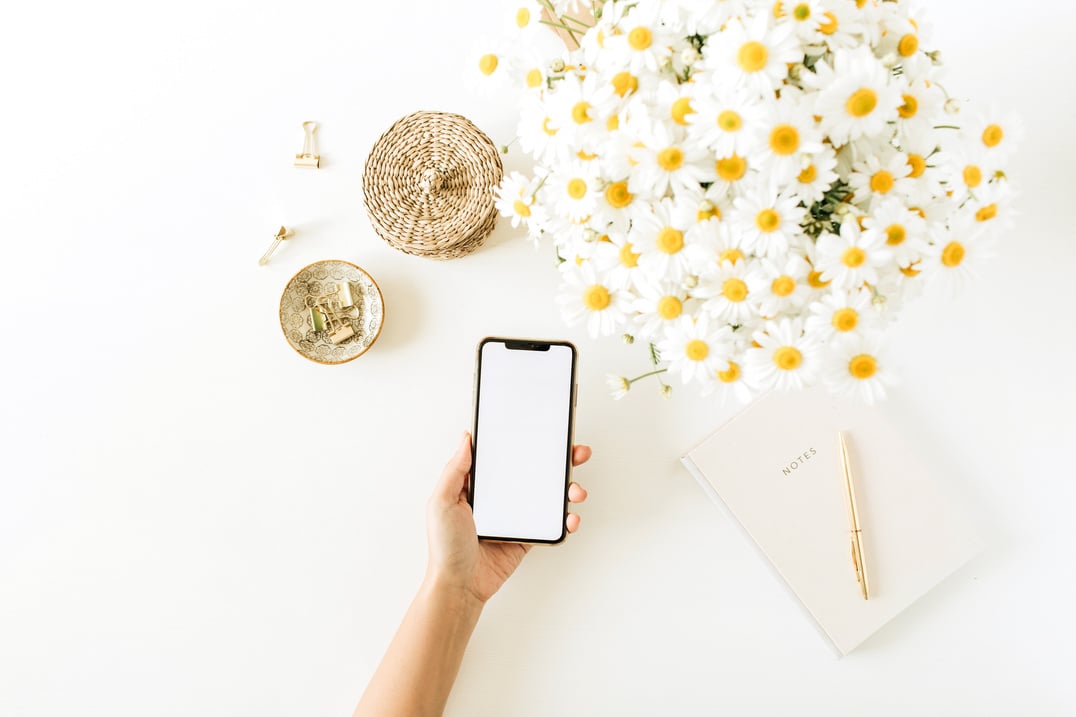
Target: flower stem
(645, 375)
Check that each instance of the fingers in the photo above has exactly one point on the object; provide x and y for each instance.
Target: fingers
(572, 522)
(580, 455)
(454, 476)
(576, 493)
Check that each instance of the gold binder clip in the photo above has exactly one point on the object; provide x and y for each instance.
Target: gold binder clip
(283, 234)
(309, 157)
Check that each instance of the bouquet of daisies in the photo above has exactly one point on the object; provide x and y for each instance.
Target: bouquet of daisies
(750, 188)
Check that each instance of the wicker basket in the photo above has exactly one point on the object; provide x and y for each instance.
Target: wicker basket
(428, 185)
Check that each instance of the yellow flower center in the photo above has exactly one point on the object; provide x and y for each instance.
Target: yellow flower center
(784, 139)
(670, 240)
(853, 257)
(986, 213)
(787, 358)
(908, 45)
(579, 112)
(534, 78)
(814, 279)
(731, 256)
(547, 129)
(801, 12)
(729, 121)
(731, 374)
(993, 135)
(640, 38)
(783, 285)
(918, 165)
(909, 108)
(596, 297)
(670, 158)
(577, 188)
(681, 109)
(521, 209)
(707, 213)
(894, 234)
(612, 124)
(952, 254)
(523, 17)
(767, 220)
(735, 290)
(808, 175)
(778, 9)
(881, 181)
(731, 169)
(487, 64)
(829, 25)
(752, 56)
(625, 82)
(628, 257)
(863, 366)
(910, 271)
(669, 307)
(696, 350)
(617, 195)
(972, 176)
(862, 102)
(845, 319)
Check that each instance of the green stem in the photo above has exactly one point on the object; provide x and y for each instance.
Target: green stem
(562, 26)
(645, 375)
(945, 126)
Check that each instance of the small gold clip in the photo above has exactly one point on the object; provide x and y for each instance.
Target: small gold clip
(283, 234)
(343, 294)
(309, 157)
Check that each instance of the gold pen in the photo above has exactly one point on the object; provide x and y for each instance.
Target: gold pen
(853, 520)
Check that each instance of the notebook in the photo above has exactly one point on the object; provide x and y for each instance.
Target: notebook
(776, 468)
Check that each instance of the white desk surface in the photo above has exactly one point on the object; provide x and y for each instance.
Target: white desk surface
(196, 521)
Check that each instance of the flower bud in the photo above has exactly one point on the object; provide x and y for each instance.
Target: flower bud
(691, 281)
(952, 106)
(628, 339)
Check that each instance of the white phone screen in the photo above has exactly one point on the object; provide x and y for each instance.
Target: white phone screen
(522, 432)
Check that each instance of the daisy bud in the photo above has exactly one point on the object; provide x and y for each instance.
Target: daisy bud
(556, 65)
(666, 390)
(691, 281)
(878, 302)
(618, 386)
(689, 56)
(952, 106)
(890, 60)
(590, 236)
(935, 57)
(628, 339)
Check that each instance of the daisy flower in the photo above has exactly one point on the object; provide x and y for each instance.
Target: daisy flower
(665, 161)
(855, 97)
(579, 110)
(659, 305)
(641, 43)
(856, 367)
(852, 257)
(844, 25)
(904, 230)
(787, 290)
(584, 298)
(998, 132)
(921, 103)
(730, 382)
(726, 120)
(755, 56)
(733, 175)
(841, 312)
(879, 176)
(992, 203)
(618, 261)
(804, 16)
(694, 350)
(660, 239)
(515, 199)
(769, 222)
(816, 176)
(573, 189)
(730, 291)
(788, 134)
(955, 254)
(537, 136)
(618, 386)
(919, 144)
(785, 358)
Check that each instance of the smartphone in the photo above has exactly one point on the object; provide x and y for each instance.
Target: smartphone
(524, 406)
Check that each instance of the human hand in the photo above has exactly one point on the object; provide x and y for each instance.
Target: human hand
(457, 557)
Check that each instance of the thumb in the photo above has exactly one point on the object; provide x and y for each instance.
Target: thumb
(454, 477)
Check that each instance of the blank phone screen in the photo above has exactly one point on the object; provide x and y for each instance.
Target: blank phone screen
(522, 427)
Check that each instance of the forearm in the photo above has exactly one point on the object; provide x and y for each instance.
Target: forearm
(421, 663)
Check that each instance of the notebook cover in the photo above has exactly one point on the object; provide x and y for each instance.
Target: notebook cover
(776, 468)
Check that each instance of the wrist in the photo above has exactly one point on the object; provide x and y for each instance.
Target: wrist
(451, 590)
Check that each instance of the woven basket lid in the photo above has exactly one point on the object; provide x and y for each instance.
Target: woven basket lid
(428, 185)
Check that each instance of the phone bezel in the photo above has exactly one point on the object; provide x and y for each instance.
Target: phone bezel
(567, 450)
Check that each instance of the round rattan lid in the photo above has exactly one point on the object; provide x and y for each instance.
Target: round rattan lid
(428, 185)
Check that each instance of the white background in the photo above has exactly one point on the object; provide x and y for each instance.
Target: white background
(195, 520)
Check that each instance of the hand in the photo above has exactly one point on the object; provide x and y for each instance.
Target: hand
(456, 555)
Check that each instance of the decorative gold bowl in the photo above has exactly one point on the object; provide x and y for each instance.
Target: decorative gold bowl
(362, 323)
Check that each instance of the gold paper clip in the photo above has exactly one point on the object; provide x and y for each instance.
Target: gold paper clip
(344, 296)
(309, 157)
(283, 234)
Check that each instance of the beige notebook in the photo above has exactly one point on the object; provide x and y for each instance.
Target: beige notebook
(776, 468)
